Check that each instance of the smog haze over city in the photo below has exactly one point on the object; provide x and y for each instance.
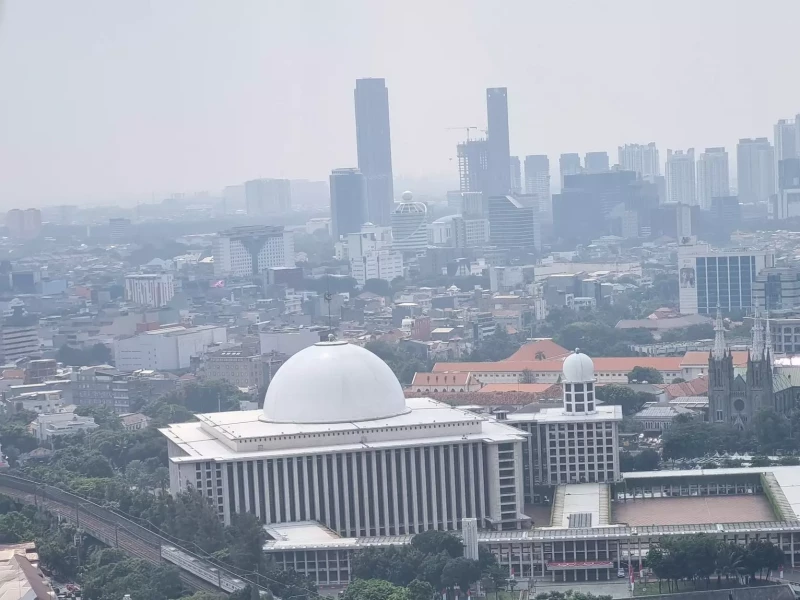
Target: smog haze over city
(108, 101)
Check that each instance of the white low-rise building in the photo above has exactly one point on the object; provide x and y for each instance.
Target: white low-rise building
(48, 425)
(167, 349)
(338, 443)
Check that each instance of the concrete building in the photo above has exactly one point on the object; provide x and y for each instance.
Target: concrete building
(499, 153)
(708, 279)
(569, 164)
(167, 349)
(467, 232)
(40, 370)
(641, 158)
(287, 340)
(755, 169)
(348, 201)
(101, 385)
(239, 367)
(251, 250)
(149, 289)
(24, 224)
(473, 166)
(596, 162)
(537, 180)
(787, 199)
(514, 222)
(712, 177)
(268, 197)
(46, 426)
(374, 147)
(119, 228)
(371, 255)
(787, 142)
(578, 443)
(680, 174)
(19, 338)
(409, 225)
(516, 175)
(777, 288)
(345, 448)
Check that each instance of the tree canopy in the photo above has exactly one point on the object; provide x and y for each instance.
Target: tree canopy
(645, 374)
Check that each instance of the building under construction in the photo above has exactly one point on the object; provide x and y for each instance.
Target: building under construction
(473, 165)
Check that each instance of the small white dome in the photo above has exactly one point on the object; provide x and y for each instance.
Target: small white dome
(407, 196)
(333, 382)
(578, 367)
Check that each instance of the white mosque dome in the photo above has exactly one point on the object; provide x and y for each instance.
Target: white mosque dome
(333, 382)
(577, 367)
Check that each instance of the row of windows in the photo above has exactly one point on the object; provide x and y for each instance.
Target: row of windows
(346, 491)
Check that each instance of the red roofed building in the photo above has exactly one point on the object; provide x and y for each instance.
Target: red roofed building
(444, 382)
(609, 369)
(695, 387)
(543, 349)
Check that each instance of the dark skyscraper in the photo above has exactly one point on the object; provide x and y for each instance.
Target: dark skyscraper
(499, 150)
(348, 201)
(374, 146)
(596, 162)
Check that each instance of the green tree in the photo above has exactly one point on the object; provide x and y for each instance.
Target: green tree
(420, 590)
(461, 572)
(621, 395)
(435, 542)
(527, 376)
(498, 346)
(380, 287)
(246, 539)
(374, 589)
(648, 374)
(678, 380)
(772, 431)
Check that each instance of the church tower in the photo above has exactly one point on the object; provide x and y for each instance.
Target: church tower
(759, 369)
(720, 376)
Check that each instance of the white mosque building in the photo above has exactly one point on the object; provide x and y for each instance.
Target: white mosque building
(338, 443)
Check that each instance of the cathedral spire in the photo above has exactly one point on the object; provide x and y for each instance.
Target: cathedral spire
(719, 336)
(767, 335)
(758, 335)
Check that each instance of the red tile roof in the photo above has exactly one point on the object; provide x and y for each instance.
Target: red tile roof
(493, 399)
(697, 358)
(622, 364)
(529, 388)
(548, 347)
(695, 387)
(439, 378)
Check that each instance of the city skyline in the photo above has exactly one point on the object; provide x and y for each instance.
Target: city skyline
(149, 116)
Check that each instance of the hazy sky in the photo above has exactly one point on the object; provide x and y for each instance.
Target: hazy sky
(104, 99)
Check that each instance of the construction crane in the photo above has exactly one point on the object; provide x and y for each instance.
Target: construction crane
(467, 129)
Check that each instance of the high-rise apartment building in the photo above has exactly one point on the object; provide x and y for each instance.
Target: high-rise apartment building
(516, 175)
(514, 222)
(374, 147)
(712, 176)
(787, 142)
(119, 228)
(251, 250)
(499, 153)
(149, 289)
(267, 197)
(409, 225)
(642, 158)
(681, 177)
(569, 164)
(537, 180)
(24, 224)
(473, 166)
(787, 199)
(755, 169)
(596, 162)
(371, 254)
(348, 201)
